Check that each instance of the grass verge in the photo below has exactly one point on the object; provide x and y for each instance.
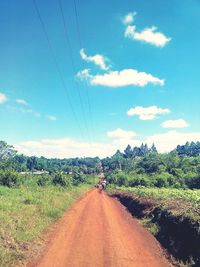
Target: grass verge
(179, 202)
(25, 213)
(172, 216)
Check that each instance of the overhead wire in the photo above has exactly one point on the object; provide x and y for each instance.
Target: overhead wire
(72, 63)
(80, 47)
(57, 66)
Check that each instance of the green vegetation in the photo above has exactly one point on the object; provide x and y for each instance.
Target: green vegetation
(163, 187)
(142, 166)
(9, 159)
(171, 215)
(162, 191)
(25, 213)
(34, 192)
(180, 202)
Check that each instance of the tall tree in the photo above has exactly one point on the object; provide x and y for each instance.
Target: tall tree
(128, 152)
(6, 151)
(153, 149)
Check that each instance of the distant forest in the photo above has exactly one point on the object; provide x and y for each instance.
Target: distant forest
(143, 166)
(137, 166)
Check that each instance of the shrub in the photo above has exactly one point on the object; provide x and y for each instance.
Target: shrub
(9, 178)
(111, 177)
(122, 179)
(79, 178)
(44, 180)
(62, 179)
(192, 180)
(161, 181)
(140, 180)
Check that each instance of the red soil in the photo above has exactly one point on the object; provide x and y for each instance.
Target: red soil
(99, 232)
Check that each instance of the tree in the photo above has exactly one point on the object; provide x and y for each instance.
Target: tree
(62, 179)
(118, 159)
(9, 178)
(31, 163)
(128, 152)
(189, 149)
(6, 151)
(153, 149)
(150, 163)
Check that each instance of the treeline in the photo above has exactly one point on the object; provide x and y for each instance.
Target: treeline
(189, 149)
(143, 166)
(137, 166)
(12, 178)
(9, 159)
(17, 169)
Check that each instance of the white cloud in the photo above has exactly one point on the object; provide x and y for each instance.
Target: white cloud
(179, 123)
(122, 143)
(51, 118)
(148, 35)
(69, 147)
(65, 148)
(97, 59)
(147, 113)
(121, 78)
(3, 98)
(84, 74)
(35, 113)
(166, 142)
(21, 101)
(30, 111)
(24, 110)
(121, 134)
(129, 18)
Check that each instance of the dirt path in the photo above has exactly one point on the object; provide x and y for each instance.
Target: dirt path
(98, 232)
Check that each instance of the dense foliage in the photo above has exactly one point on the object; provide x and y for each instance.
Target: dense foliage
(146, 167)
(134, 167)
(16, 169)
(189, 149)
(6, 151)
(21, 163)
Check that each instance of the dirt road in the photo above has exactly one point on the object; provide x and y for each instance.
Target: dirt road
(98, 232)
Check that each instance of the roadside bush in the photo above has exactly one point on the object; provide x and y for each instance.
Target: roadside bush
(192, 180)
(79, 178)
(122, 178)
(44, 180)
(140, 180)
(165, 179)
(161, 181)
(9, 178)
(111, 177)
(91, 179)
(62, 179)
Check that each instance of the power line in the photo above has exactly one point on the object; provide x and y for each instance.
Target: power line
(80, 46)
(72, 61)
(56, 63)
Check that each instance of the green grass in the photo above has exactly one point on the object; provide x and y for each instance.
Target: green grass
(181, 202)
(151, 227)
(25, 213)
(176, 211)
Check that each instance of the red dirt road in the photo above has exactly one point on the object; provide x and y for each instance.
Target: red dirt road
(99, 232)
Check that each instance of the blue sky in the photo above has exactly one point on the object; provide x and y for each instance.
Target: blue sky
(135, 80)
